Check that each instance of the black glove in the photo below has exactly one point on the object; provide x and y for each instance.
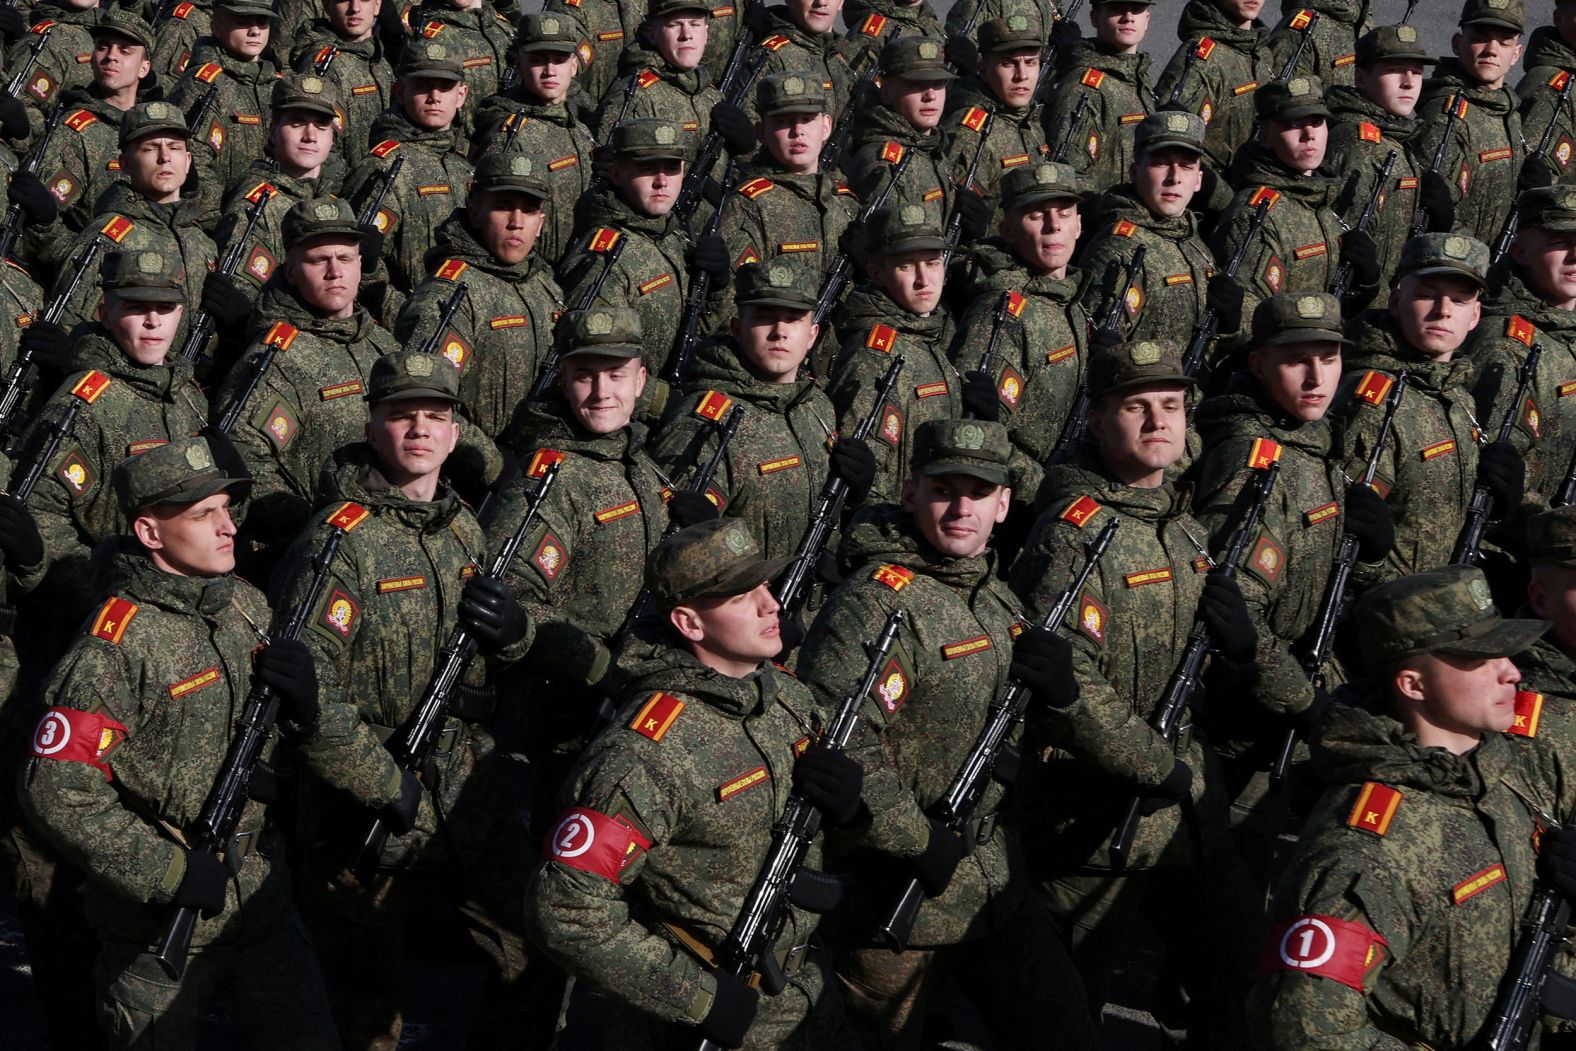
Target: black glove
(1307, 721)
(48, 343)
(1437, 202)
(1175, 788)
(1503, 473)
(371, 244)
(400, 812)
(489, 611)
(19, 537)
(711, 255)
(686, 508)
(12, 25)
(29, 193)
(832, 782)
(733, 124)
(980, 401)
(1225, 299)
(975, 212)
(733, 1008)
(826, 569)
(1535, 174)
(1043, 661)
(1223, 610)
(853, 462)
(1064, 33)
(1368, 519)
(202, 887)
(230, 308)
(854, 244)
(934, 868)
(286, 667)
(14, 124)
(790, 629)
(1358, 249)
(962, 55)
(757, 21)
(1557, 859)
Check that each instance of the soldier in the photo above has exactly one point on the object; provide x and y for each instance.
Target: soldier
(401, 582)
(800, 36)
(1129, 628)
(117, 770)
(1224, 58)
(65, 26)
(475, 33)
(606, 23)
(185, 24)
(905, 117)
(1428, 807)
(660, 74)
(1331, 51)
(873, 24)
(1547, 666)
(503, 331)
(344, 49)
(1550, 59)
(1114, 75)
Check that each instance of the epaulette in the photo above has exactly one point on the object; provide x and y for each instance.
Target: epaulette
(208, 72)
(117, 228)
(881, 338)
(1124, 228)
(1093, 78)
(257, 191)
(843, 189)
(384, 148)
(280, 334)
(1375, 808)
(347, 516)
(90, 386)
(1205, 48)
(646, 79)
(1520, 329)
(452, 269)
(775, 42)
(1262, 453)
(113, 619)
(182, 11)
(79, 120)
(893, 576)
(974, 118)
(603, 240)
(755, 187)
(1301, 19)
(1529, 713)
(1369, 132)
(892, 152)
(1559, 80)
(873, 24)
(432, 29)
(1264, 193)
(1080, 511)
(1016, 301)
(541, 460)
(1461, 107)
(1375, 387)
(43, 27)
(713, 406)
(657, 715)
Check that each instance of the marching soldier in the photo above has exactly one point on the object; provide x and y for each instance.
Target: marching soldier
(177, 37)
(606, 23)
(1114, 75)
(800, 36)
(66, 26)
(343, 48)
(1225, 57)
(1331, 52)
(1550, 59)
(905, 117)
(477, 34)
(661, 75)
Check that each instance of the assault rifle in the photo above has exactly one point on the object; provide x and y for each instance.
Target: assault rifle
(956, 807)
(837, 274)
(53, 431)
(205, 105)
(35, 47)
(1188, 62)
(1518, 1005)
(832, 151)
(610, 253)
(695, 301)
(1567, 492)
(1185, 679)
(1295, 58)
(24, 371)
(1452, 114)
(203, 323)
(1064, 147)
(11, 228)
(751, 942)
(987, 363)
(213, 831)
(694, 188)
(1077, 423)
(955, 224)
(277, 338)
(451, 306)
(1208, 327)
(1471, 536)
(1344, 274)
(413, 745)
(325, 59)
(1513, 220)
(1049, 54)
(374, 205)
(1411, 5)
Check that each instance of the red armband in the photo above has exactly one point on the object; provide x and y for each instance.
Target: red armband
(72, 736)
(1340, 950)
(591, 842)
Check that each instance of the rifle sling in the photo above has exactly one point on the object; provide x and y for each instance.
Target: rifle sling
(790, 959)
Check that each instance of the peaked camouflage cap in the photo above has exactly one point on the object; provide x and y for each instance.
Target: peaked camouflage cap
(716, 558)
(907, 227)
(245, 7)
(515, 171)
(978, 448)
(779, 282)
(1455, 254)
(428, 58)
(183, 471)
(1139, 364)
(1507, 14)
(1017, 31)
(1170, 128)
(915, 58)
(1298, 317)
(117, 21)
(660, 8)
(1032, 183)
(1551, 537)
(612, 332)
(795, 92)
(1445, 610)
(1549, 208)
(650, 139)
(1382, 42)
(1289, 100)
(320, 217)
(547, 32)
(143, 277)
(152, 118)
(305, 91)
(409, 374)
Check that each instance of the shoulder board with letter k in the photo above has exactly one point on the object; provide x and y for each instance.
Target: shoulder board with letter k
(209, 72)
(1375, 808)
(281, 334)
(603, 240)
(1520, 329)
(893, 576)
(113, 618)
(347, 516)
(1374, 387)
(1529, 713)
(657, 715)
(89, 387)
(1080, 511)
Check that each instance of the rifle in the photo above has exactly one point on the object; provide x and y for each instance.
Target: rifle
(751, 940)
(1344, 274)
(24, 371)
(1302, 46)
(695, 301)
(202, 325)
(509, 80)
(694, 188)
(161, 15)
(1518, 1005)
(11, 228)
(1513, 220)
(35, 48)
(1333, 604)
(987, 363)
(1411, 5)
(1471, 537)
(837, 274)
(210, 98)
(1048, 54)
(1185, 679)
(1073, 122)
(1077, 423)
(832, 151)
(325, 59)
(549, 374)
(630, 90)
(413, 745)
(1188, 62)
(1208, 326)
(277, 338)
(215, 826)
(793, 590)
(369, 213)
(53, 436)
(1567, 492)
(451, 306)
(1452, 114)
(954, 809)
(955, 224)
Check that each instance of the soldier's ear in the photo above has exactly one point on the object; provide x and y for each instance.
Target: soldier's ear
(909, 491)
(1538, 596)
(687, 623)
(146, 529)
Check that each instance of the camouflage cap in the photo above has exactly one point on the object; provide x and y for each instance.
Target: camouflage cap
(659, 8)
(143, 277)
(146, 119)
(1403, 42)
(1032, 183)
(1445, 610)
(1549, 208)
(428, 58)
(1551, 537)
(779, 282)
(1508, 14)
(245, 7)
(978, 448)
(305, 91)
(612, 332)
(649, 139)
(409, 374)
(515, 171)
(796, 92)
(1018, 31)
(906, 228)
(1128, 365)
(1289, 100)
(183, 471)
(547, 32)
(712, 559)
(915, 58)
(1170, 128)
(1298, 317)
(320, 217)
(1445, 254)
(117, 21)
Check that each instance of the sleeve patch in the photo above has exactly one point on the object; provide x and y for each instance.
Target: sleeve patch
(1093, 618)
(891, 431)
(892, 688)
(734, 785)
(281, 425)
(340, 613)
(1339, 950)
(549, 557)
(1268, 558)
(591, 842)
(76, 473)
(71, 736)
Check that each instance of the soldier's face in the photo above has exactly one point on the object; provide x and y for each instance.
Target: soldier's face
(1552, 596)
(118, 63)
(814, 16)
(1011, 75)
(508, 224)
(1487, 53)
(602, 391)
(157, 166)
(143, 331)
(795, 139)
(413, 438)
(1140, 433)
(955, 513)
(353, 19)
(302, 140)
(1550, 258)
(912, 279)
(244, 36)
(431, 102)
(732, 634)
(326, 272)
(775, 340)
(1301, 378)
(1436, 313)
(1044, 234)
(1120, 26)
(1241, 12)
(1298, 144)
(649, 186)
(547, 75)
(919, 102)
(1451, 702)
(681, 38)
(189, 540)
(1393, 83)
(1167, 179)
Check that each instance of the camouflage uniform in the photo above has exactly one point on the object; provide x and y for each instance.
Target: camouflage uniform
(478, 37)
(177, 38)
(793, 50)
(1120, 95)
(872, 24)
(1486, 148)
(979, 12)
(1229, 65)
(62, 64)
(236, 128)
(683, 96)
(1548, 60)
(264, 249)
(361, 74)
(607, 23)
(1331, 54)
(878, 137)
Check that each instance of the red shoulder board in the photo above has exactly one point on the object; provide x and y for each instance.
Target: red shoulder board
(452, 269)
(714, 406)
(1340, 950)
(280, 334)
(79, 120)
(1016, 301)
(384, 148)
(1206, 47)
(1093, 78)
(1263, 453)
(71, 736)
(1375, 387)
(754, 188)
(112, 620)
(1375, 808)
(775, 42)
(43, 27)
(208, 72)
(591, 842)
(974, 118)
(646, 79)
(1300, 20)
(874, 24)
(1264, 193)
(1080, 511)
(881, 338)
(842, 188)
(657, 715)
(892, 152)
(1559, 80)
(117, 228)
(1520, 329)
(893, 576)
(257, 191)
(1529, 713)
(89, 387)
(1462, 106)
(603, 240)
(347, 516)
(432, 29)
(1369, 132)
(540, 462)
(1124, 228)
(182, 10)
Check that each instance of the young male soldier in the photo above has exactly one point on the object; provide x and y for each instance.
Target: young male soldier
(1550, 58)
(784, 203)
(962, 640)
(1224, 58)
(906, 117)
(1331, 51)
(661, 75)
(400, 583)
(477, 34)
(872, 24)
(1129, 628)
(141, 714)
(504, 327)
(68, 25)
(344, 49)
(1114, 75)
(800, 36)
(1432, 461)
(604, 24)
(1419, 859)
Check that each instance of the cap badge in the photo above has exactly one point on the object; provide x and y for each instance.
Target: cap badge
(1298, 86)
(599, 323)
(549, 27)
(779, 277)
(793, 85)
(736, 542)
(1406, 34)
(911, 215)
(519, 166)
(197, 456)
(311, 85)
(928, 49)
(664, 135)
(419, 365)
(1477, 587)
(1145, 353)
(1176, 122)
(1018, 22)
(1457, 247)
(1309, 307)
(1046, 173)
(971, 436)
(158, 111)
(150, 262)
(435, 51)
(326, 211)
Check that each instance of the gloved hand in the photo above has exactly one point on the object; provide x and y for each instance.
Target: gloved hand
(1307, 721)
(29, 193)
(854, 244)
(686, 508)
(757, 21)
(1358, 249)
(1043, 661)
(14, 124)
(1225, 298)
(733, 1008)
(832, 782)
(49, 344)
(1168, 793)
(962, 55)
(19, 536)
(826, 569)
(400, 812)
(934, 867)
(711, 255)
(1065, 32)
(1503, 473)
(980, 401)
(12, 25)
(489, 611)
(733, 124)
(287, 668)
(975, 212)
(371, 245)
(1437, 202)
(853, 462)
(230, 308)
(791, 630)
(1535, 174)
(1226, 614)
(202, 885)
(1368, 519)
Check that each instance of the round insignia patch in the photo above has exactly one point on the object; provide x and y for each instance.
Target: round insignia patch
(911, 215)
(1176, 122)
(549, 26)
(928, 49)
(326, 211)
(419, 365)
(150, 262)
(198, 457)
(573, 837)
(1477, 587)
(52, 735)
(520, 166)
(793, 86)
(311, 85)
(1457, 247)
(664, 135)
(971, 436)
(1308, 944)
(736, 542)
(158, 111)
(1298, 86)
(1309, 306)
(1145, 353)
(599, 323)
(779, 277)
(435, 51)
